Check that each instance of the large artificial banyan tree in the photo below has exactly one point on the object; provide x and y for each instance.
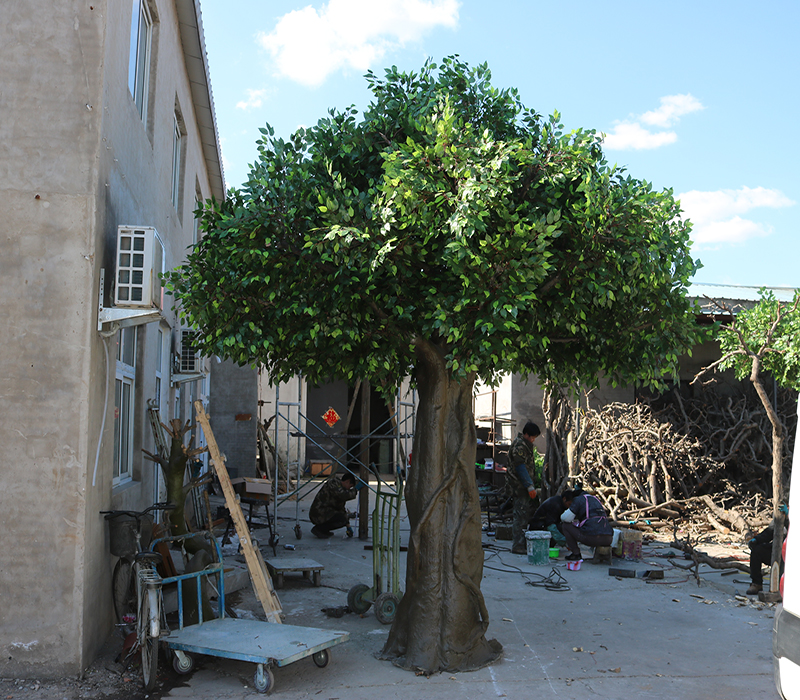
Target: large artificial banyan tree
(448, 234)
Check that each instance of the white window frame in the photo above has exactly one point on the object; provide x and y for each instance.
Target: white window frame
(198, 202)
(161, 361)
(124, 406)
(177, 145)
(139, 63)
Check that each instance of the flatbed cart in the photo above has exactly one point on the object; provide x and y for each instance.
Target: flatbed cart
(265, 644)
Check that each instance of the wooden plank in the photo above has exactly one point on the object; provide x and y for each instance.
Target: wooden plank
(262, 583)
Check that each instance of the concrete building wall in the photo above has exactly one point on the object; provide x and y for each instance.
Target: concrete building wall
(48, 176)
(78, 162)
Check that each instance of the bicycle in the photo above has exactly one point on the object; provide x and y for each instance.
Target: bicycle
(136, 582)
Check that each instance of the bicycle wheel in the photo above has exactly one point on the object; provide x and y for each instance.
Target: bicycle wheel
(148, 644)
(124, 591)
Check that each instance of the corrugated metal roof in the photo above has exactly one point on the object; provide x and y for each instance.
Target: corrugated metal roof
(733, 296)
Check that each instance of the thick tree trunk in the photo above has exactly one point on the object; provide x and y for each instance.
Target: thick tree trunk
(442, 619)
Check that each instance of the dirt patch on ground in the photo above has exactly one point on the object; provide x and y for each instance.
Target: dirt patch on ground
(105, 679)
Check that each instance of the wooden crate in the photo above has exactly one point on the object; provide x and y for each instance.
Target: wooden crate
(321, 468)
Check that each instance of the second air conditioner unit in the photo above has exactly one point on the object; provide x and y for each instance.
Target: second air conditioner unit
(189, 357)
(140, 261)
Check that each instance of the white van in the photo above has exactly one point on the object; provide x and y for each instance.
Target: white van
(786, 629)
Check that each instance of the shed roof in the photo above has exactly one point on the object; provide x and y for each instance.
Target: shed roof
(734, 296)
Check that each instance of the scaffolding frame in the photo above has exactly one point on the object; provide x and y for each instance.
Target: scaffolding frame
(295, 426)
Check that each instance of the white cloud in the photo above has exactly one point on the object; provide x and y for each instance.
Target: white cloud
(630, 134)
(308, 45)
(672, 108)
(716, 216)
(255, 98)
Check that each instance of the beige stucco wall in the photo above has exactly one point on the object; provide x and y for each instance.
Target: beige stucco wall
(526, 399)
(78, 161)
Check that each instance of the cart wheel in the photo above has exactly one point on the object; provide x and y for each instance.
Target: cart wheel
(386, 607)
(182, 663)
(264, 680)
(321, 658)
(298, 533)
(356, 600)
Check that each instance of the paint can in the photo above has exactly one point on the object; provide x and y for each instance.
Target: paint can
(538, 543)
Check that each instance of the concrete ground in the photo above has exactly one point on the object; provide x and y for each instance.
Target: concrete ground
(598, 636)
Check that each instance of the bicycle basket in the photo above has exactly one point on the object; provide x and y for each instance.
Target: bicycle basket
(122, 534)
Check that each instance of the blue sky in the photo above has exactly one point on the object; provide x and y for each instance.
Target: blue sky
(701, 97)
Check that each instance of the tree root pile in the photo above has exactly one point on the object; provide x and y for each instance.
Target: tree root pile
(702, 465)
(734, 430)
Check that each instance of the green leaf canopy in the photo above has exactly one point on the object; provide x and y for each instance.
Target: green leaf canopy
(448, 213)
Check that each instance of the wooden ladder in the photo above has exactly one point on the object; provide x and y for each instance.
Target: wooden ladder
(262, 583)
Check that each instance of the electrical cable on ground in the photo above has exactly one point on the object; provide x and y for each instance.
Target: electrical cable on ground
(552, 582)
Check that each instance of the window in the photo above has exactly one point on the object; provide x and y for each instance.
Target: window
(177, 144)
(159, 371)
(198, 204)
(139, 63)
(123, 405)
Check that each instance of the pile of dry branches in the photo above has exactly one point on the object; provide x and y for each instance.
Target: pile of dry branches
(701, 464)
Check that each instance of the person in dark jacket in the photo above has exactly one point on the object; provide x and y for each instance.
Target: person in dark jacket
(328, 510)
(548, 517)
(524, 472)
(585, 521)
(761, 554)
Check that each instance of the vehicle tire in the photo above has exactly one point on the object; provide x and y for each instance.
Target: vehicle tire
(264, 679)
(355, 598)
(123, 590)
(148, 603)
(148, 646)
(182, 667)
(386, 607)
(321, 658)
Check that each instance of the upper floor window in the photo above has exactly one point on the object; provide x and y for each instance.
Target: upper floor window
(139, 64)
(198, 205)
(177, 142)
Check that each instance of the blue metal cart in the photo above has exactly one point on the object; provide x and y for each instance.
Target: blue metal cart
(266, 644)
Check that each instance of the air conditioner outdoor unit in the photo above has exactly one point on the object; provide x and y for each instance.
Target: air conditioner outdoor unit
(140, 261)
(189, 357)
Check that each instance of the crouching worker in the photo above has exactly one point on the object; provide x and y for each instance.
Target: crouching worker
(761, 554)
(328, 512)
(548, 517)
(584, 521)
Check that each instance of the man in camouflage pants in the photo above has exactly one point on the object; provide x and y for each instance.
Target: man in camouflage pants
(524, 468)
(328, 510)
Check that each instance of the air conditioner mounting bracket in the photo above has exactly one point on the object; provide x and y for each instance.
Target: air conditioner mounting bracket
(110, 320)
